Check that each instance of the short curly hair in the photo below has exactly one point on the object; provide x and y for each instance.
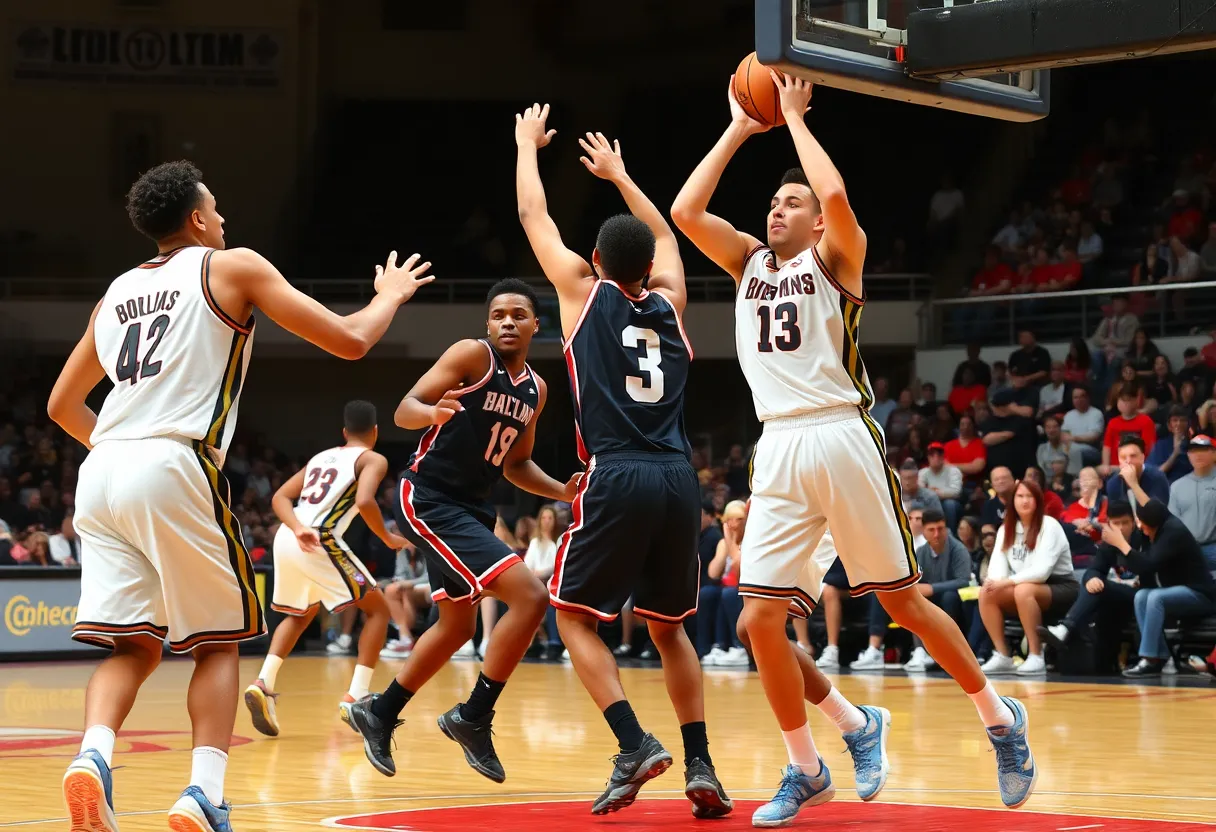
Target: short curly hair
(626, 247)
(512, 286)
(162, 198)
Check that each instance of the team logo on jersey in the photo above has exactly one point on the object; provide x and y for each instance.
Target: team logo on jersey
(798, 284)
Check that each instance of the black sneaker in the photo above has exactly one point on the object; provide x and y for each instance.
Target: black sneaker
(631, 771)
(1057, 636)
(474, 736)
(1144, 669)
(377, 734)
(701, 786)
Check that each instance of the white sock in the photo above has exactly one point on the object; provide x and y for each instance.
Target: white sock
(360, 681)
(207, 772)
(270, 670)
(993, 710)
(847, 716)
(801, 748)
(100, 739)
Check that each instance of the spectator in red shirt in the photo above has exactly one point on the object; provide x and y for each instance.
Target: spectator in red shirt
(1209, 349)
(1185, 220)
(1076, 189)
(1129, 420)
(1068, 271)
(1088, 513)
(1053, 506)
(967, 392)
(974, 321)
(967, 453)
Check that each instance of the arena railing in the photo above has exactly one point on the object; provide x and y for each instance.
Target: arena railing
(886, 287)
(1063, 315)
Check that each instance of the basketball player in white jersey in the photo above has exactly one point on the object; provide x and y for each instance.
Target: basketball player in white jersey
(162, 556)
(314, 566)
(821, 461)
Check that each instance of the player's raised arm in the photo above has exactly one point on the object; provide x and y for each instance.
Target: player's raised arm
(80, 374)
(522, 472)
(565, 270)
(241, 277)
(715, 237)
(433, 398)
(667, 273)
(843, 245)
(370, 469)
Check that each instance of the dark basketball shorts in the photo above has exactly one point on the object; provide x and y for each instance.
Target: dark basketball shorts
(456, 537)
(636, 520)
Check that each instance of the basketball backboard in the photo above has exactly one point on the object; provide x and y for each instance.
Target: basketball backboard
(861, 45)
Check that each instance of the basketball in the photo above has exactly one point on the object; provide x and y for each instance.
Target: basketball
(756, 92)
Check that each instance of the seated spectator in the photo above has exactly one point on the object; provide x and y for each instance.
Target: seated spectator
(969, 536)
(1169, 454)
(1077, 362)
(1089, 245)
(945, 569)
(1127, 381)
(900, 421)
(1068, 272)
(1159, 389)
(1207, 255)
(1194, 370)
(65, 545)
(1129, 421)
(967, 453)
(711, 585)
(1142, 354)
(996, 507)
(1153, 267)
(1058, 446)
(1053, 504)
(880, 411)
(735, 472)
(980, 370)
(1193, 496)
(409, 596)
(1084, 426)
(915, 497)
(1137, 482)
(1111, 340)
(1086, 515)
(1000, 378)
(1029, 365)
(1008, 240)
(727, 650)
(1188, 403)
(834, 592)
(32, 550)
(1060, 482)
(1185, 219)
(1009, 436)
(926, 405)
(967, 392)
(974, 320)
(945, 481)
(1055, 397)
(1107, 589)
(915, 449)
(942, 429)
(1208, 350)
(1184, 585)
(1030, 573)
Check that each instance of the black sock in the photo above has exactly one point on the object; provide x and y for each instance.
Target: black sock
(481, 700)
(624, 723)
(389, 705)
(696, 744)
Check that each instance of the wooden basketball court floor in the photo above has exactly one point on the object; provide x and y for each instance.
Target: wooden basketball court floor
(1112, 757)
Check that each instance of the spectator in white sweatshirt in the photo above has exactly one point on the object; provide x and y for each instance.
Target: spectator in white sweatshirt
(1030, 573)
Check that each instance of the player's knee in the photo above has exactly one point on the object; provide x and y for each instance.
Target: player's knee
(665, 634)
(374, 604)
(764, 614)
(535, 599)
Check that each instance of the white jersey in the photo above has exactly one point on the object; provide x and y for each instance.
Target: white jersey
(796, 333)
(176, 359)
(327, 501)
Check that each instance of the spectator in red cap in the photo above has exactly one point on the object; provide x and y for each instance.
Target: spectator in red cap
(945, 481)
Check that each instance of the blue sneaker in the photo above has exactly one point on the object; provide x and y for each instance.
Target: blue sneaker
(88, 791)
(193, 812)
(797, 790)
(1016, 771)
(868, 747)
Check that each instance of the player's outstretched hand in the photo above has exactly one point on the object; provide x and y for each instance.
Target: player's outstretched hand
(530, 126)
(396, 542)
(572, 486)
(603, 159)
(308, 539)
(739, 116)
(795, 95)
(444, 409)
(401, 281)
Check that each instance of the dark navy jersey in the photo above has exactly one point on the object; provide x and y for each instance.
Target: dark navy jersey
(464, 456)
(628, 362)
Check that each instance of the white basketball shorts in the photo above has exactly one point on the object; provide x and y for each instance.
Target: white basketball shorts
(333, 577)
(161, 551)
(820, 471)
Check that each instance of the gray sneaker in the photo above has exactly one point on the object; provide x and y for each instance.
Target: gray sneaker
(474, 737)
(630, 773)
(702, 787)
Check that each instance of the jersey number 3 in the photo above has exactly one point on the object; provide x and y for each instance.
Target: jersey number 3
(785, 314)
(128, 367)
(641, 389)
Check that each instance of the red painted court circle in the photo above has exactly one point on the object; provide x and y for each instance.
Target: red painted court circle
(674, 816)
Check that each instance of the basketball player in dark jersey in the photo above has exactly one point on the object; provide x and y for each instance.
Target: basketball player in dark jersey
(479, 404)
(636, 516)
